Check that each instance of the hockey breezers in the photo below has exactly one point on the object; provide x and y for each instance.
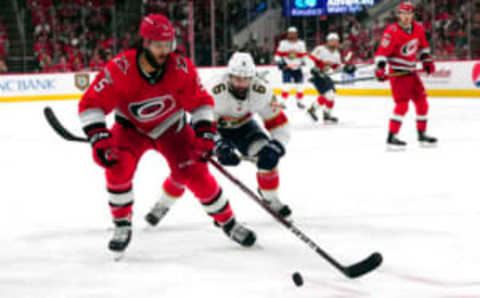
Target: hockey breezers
(356, 270)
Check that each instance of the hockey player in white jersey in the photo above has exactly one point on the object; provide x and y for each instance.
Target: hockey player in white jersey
(290, 57)
(327, 60)
(239, 95)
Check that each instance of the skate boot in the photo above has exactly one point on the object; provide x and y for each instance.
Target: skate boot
(394, 143)
(300, 105)
(281, 209)
(328, 118)
(312, 113)
(156, 214)
(425, 140)
(121, 238)
(238, 232)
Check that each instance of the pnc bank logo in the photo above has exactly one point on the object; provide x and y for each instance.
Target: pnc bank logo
(476, 75)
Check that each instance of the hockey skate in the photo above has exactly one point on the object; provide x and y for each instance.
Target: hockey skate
(120, 240)
(156, 214)
(328, 118)
(426, 141)
(394, 144)
(238, 233)
(281, 209)
(312, 113)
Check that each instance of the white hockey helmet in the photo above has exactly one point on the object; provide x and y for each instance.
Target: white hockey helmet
(292, 29)
(242, 65)
(332, 35)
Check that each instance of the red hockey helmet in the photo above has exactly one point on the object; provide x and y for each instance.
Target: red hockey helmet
(157, 27)
(406, 7)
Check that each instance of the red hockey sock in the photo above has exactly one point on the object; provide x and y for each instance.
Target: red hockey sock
(422, 123)
(299, 95)
(268, 180)
(395, 126)
(321, 100)
(121, 205)
(329, 104)
(218, 207)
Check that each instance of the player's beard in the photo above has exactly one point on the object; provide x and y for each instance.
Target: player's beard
(154, 61)
(238, 93)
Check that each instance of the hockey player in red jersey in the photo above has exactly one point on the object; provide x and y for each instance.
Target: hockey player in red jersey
(400, 45)
(150, 89)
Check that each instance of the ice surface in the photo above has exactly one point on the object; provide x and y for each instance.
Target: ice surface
(419, 208)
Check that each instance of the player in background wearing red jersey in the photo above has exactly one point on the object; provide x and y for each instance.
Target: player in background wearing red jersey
(400, 45)
(151, 88)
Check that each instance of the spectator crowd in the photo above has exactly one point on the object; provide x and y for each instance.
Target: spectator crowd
(4, 45)
(77, 35)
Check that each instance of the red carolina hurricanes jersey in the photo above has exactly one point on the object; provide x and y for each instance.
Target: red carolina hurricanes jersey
(151, 107)
(400, 48)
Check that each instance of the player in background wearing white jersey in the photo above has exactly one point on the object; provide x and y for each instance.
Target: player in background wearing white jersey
(289, 57)
(239, 95)
(327, 60)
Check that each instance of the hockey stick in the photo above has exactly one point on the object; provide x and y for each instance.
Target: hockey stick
(352, 271)
(59, 128)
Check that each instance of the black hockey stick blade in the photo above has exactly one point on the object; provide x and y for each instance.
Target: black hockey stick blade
(58, 127)
(365, 266)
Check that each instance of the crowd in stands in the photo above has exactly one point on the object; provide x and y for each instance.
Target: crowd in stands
(74, 35)
(4, 44)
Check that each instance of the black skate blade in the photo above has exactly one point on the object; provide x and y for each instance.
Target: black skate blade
(395, 148)
(428, 145)
(365, 266)
(330, 122)
(118, 255)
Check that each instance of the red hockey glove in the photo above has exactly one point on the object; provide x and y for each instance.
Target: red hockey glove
(428, 66)
(204, 142)
(103, 148)
(380, 74)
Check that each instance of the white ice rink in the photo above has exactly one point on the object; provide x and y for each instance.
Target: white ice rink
(419, 208)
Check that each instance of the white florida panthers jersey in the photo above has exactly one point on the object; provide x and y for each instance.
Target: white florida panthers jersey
(322, 54)
(231, 112)
(292, 53)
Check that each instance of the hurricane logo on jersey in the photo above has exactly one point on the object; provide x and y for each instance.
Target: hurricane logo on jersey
(476, 75)
(153, 108)
(410, 48)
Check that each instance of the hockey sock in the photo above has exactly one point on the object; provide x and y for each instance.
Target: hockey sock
(421, 123)
(121, 205)
(217, 207)
(172, 191)
(268, 182)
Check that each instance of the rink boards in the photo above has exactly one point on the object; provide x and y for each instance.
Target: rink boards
(452, 79)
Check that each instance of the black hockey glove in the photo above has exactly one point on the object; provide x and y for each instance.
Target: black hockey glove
(318, 73)
(282, 65)
(225, 151)
(269, 155)
(349, 68)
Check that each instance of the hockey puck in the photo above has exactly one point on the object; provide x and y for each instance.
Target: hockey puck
(297, 279)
